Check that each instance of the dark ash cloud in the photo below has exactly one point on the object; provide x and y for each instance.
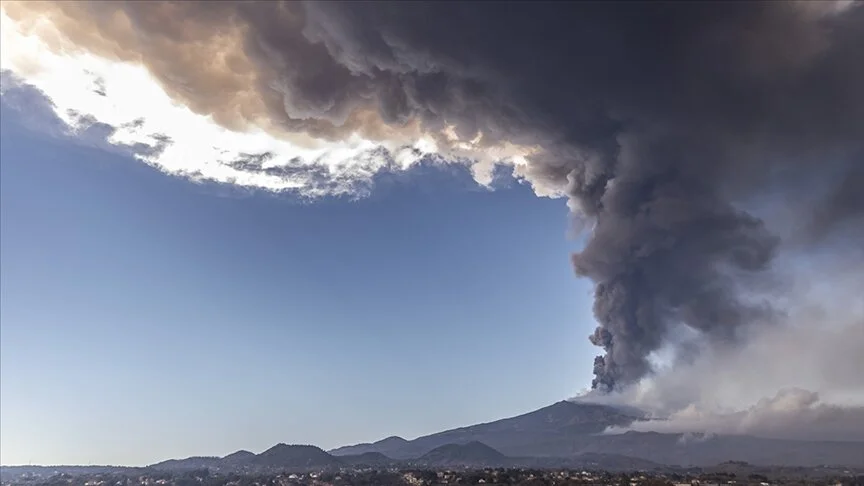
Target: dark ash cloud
(656, 119)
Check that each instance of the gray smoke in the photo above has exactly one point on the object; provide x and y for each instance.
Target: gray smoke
(660, 121)
(656, 119)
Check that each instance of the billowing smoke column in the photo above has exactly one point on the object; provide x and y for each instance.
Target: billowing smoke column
(665, 249)
(660, 122)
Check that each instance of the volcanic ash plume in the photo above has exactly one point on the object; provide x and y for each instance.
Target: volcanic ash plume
(667, 125)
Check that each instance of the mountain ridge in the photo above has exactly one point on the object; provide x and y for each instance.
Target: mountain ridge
(563, 417)
(471, 454)
(564, 434)
(568, 429)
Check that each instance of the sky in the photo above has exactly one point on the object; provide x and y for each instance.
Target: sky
(231, 224)
(146, 317)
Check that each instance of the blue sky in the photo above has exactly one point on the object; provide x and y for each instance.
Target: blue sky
(146, 317)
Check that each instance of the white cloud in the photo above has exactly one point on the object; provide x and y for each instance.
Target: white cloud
(793, 413)
(85, 89)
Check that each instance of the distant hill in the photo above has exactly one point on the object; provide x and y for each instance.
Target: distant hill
(280, 456)
(392, 442)
(366, 459)
(188, 464)
(470, 454)
(294, 456)
(384, 446)
(239, 458)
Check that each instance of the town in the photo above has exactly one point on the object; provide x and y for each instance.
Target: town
(423, 477)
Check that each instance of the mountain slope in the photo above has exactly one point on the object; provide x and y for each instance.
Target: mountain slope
(384, 446)
(470, 454)
(514, 436)
(239, 457)
(366, 459)
(567, 430)
(188, 464)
